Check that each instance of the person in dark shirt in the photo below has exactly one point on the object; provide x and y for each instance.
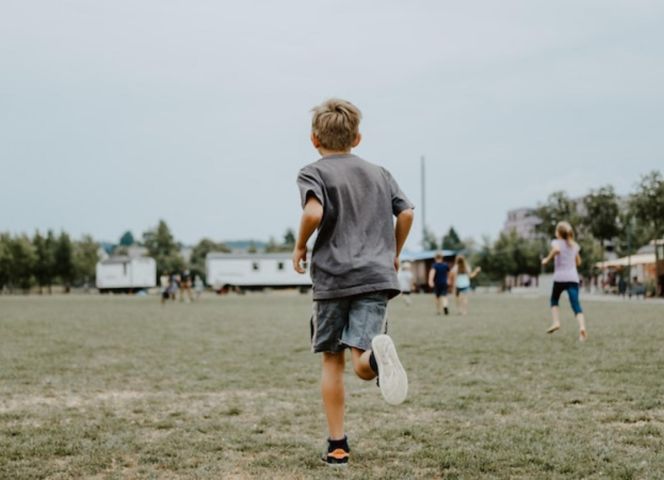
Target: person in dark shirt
(438, 282)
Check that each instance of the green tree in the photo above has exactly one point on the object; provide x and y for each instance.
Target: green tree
(289, 238)
(633, 233)
(5, 260)
(591, 252)
(64, 260)
(451, 241)
(199, 253)
(163, 248)
(558, 207)
(23, 258)
(429, 240)
(127, 239)
(647, 205)
(86, 257)
(45, 260)
(602, 214)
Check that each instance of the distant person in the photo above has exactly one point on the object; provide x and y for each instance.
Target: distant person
(352, 204)
(185, 286)
(565, 251)
(622, 286)
(637, 288)
(164, 281)
(406, 282)
(199, 286)
(438, 281)
(460, 278)
(173, 286)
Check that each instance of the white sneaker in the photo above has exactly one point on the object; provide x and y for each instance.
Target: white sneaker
(392, 378)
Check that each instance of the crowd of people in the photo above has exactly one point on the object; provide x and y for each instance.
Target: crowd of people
(182, 283)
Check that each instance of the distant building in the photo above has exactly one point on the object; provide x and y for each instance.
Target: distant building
(522, 220)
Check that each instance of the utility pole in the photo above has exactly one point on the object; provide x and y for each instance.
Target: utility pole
(424, 210)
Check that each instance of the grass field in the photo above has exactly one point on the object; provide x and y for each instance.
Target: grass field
(120, 387)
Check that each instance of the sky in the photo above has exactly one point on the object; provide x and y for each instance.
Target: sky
(114, 115)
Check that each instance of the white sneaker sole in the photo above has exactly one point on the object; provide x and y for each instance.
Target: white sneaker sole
(392, 379)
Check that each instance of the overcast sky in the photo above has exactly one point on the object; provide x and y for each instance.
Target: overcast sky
(116, 114)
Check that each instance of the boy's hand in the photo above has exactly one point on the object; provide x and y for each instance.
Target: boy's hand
(299, 257)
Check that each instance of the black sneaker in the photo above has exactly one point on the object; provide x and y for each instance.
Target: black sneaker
(447, 312)
(338, 453)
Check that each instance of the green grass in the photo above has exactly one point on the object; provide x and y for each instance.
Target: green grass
(120, 387)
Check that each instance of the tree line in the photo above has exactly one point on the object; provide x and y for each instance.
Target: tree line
(45, 260)
(601, 219)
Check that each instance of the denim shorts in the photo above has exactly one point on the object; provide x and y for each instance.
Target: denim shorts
(440, 290)
(348, 322)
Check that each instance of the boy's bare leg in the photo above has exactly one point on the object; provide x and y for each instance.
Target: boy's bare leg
(439, 307)
(361, 364)
(333, 392)
(555, 324)
(583, 334)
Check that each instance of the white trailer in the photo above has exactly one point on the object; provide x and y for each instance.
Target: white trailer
(253, 271)
(125, 274)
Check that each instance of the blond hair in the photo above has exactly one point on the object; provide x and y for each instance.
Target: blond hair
(564, 230)
(336, 124)
(462, 264)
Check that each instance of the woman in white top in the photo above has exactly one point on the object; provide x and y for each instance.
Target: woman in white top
(460, 278)
(565, 276)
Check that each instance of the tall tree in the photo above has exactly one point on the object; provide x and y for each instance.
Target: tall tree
(199, 253)
(647, 204)
(602, 214)
(558, 207)
(127, 239)
(64, 260)
(163, 248)
(45, 260)
(289, 238)
(86, 257)
(23, 258)
(429, 241)
(451, 241)
(5, 260)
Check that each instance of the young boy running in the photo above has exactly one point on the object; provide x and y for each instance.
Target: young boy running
(438, 276)
(351, 203)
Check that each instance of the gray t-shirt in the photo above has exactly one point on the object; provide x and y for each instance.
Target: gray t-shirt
(355, 248)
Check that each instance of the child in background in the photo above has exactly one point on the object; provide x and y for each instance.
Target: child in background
(460, 278)
(565, 276)
(438, 282)
(406, 282)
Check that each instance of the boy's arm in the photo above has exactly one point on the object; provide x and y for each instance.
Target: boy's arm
(401, 229)
(312, 215)
(432, 276)
(578, 260)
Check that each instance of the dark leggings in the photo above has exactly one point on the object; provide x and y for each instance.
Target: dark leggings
(573, 292)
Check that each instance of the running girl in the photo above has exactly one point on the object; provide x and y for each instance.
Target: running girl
(565, 276)
(460, 278)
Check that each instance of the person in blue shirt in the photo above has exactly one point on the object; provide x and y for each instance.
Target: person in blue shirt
(438, 282)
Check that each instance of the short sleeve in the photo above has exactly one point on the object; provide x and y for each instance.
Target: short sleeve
(400, 201)
(309, 184)
(554, 244)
